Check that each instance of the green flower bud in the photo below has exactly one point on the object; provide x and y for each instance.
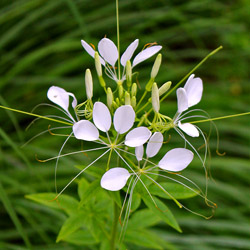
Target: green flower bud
(98, 65)
(133, 101)
(88, 84)
(156, 66)
(128, 73)
(155, 98)
(134, 89)
(110, 98)
(117, 100)
(102, 82)
(164, 88)
(120, 91)
(127, 98)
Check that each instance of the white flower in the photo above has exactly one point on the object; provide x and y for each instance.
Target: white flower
(123, 121)
(187, 97)
(109, 55)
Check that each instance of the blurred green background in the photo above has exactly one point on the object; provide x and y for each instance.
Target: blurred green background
(40, 46)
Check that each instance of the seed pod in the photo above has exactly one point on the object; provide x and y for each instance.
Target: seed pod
(128, 73)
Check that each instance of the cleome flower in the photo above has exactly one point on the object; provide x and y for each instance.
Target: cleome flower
(109, 55)
(187, 97)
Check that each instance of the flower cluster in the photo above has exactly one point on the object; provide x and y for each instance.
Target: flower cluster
(124, 127)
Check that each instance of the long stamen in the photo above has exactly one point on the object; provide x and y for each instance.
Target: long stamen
(82, 172)
(118, 37)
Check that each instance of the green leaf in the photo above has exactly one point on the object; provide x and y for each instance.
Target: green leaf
(136, 202)
(115, 196)
(144, 238)
(90, 192)
(82, 187)
(143, 218)
(162, 211)
(178, 191)
(64, 202)
(81, 237)
(73, 223)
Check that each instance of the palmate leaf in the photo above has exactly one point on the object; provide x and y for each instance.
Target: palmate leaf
(161, 210)
(178, 191)
(63, 202)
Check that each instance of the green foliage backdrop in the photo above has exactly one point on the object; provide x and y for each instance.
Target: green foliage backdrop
(40, 46)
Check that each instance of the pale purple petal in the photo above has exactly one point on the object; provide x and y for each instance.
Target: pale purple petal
(194, 89)
(189, 129)
(176, 159)
(154, 144)
(139, 152)
(101, 116)
(137, 137)
(108, 51)
(182, 100)
(85, 130)
(124, 118)
(145, 54)
(115, 179)
(126, 56)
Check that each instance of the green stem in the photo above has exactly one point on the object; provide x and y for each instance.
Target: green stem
(36, 115)
(143, 96)
(118, 37)
(185, 77)
(114, 227)
(220, 118)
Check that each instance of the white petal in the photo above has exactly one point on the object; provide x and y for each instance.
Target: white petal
(124, 118)
(129, 52)
(139, 152)
(189, 129)
(194, 89)
(91, 51)
(85, 130)
(154, 144)
(101, 116)
(145, 54)
(108, 51)
(74, 102)
(115, 179)
(59, 96)
(182, 100)
(176, 159)
(137, 137)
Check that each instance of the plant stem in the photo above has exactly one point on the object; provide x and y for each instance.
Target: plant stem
(114, 227)
(220, 118)
(118, 37)
(36, 115)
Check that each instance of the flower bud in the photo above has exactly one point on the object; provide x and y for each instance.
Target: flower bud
(127, 98)
(98, 65)
(89, 84)
(128, 73)
(120, 91)
(134, 89)
(156, 66)
(155, 98)
(164, 88)
(110, 97)
(133, 102)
